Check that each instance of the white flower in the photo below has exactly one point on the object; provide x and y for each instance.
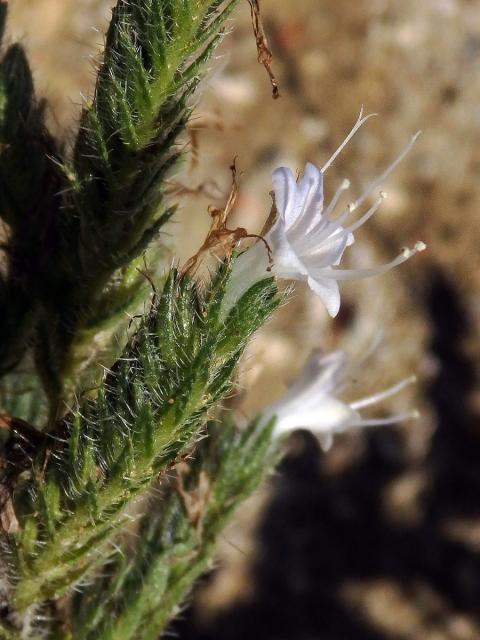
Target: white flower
(312, 401)
(306, 241)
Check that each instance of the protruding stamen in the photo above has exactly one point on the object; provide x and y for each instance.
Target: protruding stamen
(381, 178)
(360, 121)
(358, 223)
(382, 395)
(354, 274)
(336, 224)
(378, 422)
(336, 197)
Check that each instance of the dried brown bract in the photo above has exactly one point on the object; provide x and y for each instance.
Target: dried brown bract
(265, 55)
(221, 239)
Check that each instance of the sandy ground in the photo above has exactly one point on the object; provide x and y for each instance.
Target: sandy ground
(381, 537)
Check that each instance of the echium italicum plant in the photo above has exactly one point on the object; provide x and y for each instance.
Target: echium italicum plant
(118, 467)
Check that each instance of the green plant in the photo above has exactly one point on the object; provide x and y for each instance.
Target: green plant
(78, 223)
(103, 419)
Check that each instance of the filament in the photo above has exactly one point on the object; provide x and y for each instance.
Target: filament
(373, 209)
(382, 395)
(378, 422)
(360, 121)
(333, 202)
(354, 274)
(381, 178)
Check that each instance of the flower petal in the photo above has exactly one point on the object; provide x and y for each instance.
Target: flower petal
(320, 375)
(326, 254)
(327, 289)
(325, 440)
(285, 189)
(309, 200)
(286, 261)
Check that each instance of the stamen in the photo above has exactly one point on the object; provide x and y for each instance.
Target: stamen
(373, 209)
(354, 274)
(381, 178)
(357, 364)
(382, 395)
(336, 197)
(360, 121)
(335, 228)
(326, 227)
(336, 222)
(378, 422)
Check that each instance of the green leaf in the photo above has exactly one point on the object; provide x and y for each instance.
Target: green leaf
(150, 410)
(140, 590)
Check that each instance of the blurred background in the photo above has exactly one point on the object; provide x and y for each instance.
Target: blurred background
(380, 538)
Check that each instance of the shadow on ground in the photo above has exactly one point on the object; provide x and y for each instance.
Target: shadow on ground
(321, 533)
